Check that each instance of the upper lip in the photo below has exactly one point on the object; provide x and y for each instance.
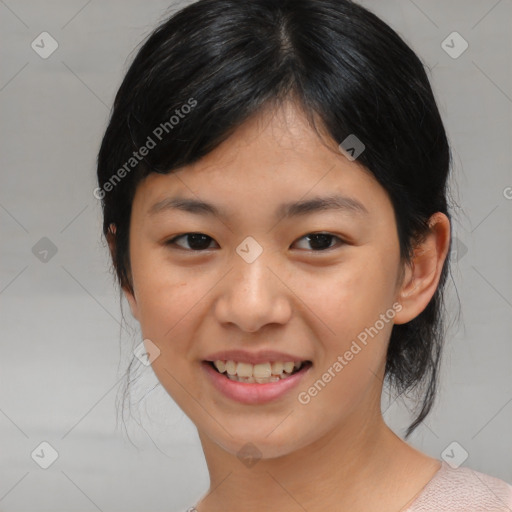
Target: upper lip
(264, 356)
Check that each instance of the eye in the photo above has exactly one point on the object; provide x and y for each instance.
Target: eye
(321, 241)
(196, 241)
(199, 241)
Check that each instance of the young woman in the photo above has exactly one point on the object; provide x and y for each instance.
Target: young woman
(274, 188)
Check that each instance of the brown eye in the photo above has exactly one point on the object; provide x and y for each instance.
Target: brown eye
(321, 241)
(195, 241)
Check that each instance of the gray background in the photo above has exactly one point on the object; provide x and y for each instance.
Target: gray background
(62, 360)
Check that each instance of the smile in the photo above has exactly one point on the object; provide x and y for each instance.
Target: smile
(262, 373)
(255, 383)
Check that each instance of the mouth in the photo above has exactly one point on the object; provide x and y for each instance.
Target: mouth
(262, 373)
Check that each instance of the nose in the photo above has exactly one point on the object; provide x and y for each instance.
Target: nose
(253, 295)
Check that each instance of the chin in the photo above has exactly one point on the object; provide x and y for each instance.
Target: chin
(267, 440)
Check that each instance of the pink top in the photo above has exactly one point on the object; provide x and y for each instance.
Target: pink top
(462, 490)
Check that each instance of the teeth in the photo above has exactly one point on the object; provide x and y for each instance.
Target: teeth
(273, 378)
(244, 370)
(252, 380)
(288, 367)
(260, 373)
(230, 367)
(221, 366)
(277, 368)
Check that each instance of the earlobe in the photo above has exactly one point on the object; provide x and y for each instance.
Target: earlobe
(421, 276)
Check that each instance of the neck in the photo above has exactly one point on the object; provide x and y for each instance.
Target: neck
(345, 470)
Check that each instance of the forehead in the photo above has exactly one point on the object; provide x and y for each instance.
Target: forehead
(273, 159)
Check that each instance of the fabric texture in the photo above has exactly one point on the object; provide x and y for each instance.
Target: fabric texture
(462, 490)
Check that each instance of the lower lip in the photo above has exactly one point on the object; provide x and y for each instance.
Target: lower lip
(252, 393)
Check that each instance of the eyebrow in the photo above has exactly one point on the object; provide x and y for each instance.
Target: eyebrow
(285, 210)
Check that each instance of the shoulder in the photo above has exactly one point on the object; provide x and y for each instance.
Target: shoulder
(463, 490)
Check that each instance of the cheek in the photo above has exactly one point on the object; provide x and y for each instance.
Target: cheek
(165, 308)
(354, 295)
(164, 295)
(350, 303)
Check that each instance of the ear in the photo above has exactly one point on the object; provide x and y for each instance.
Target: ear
(128, 293)
(422, 275)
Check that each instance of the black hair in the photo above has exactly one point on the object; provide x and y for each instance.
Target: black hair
(214, 63)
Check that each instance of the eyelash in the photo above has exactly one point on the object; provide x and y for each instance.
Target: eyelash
(172, 242)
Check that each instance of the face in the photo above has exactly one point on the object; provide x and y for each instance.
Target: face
(258, 283)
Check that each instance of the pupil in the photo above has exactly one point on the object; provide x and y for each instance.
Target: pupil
(198, 241)
(324, 241)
